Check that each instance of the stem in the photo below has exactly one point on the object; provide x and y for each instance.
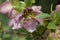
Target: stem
(51, 7)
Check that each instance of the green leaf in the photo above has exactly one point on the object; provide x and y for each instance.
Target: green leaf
(39, 28)
(48, 38)
(15, 37)
(22, 38)
(0, 38)
(19, 6)
(4, 22)
(43, 15)
(23, 32)
(58, 17)
(1, 1)
(29, 2)
(52, 25)
(4, 19)
(6, 36)
(29, 37)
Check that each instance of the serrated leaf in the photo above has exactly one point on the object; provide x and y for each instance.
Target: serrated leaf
(43, 15)
(52, 25)
(29, 2)
(19, 6)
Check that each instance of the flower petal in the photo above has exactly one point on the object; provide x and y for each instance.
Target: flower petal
(15, 26)
(30, 25)
(40, 21)
(11, 22)
(18, 17)
(36, 10)
(15, 22)
(6, 7)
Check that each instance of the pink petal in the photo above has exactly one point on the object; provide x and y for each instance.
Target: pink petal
(30, 25)
(36, 9)
(17, 26)
(40, 21)
(6, 7)
(15, 23)
(11, 22)
(18, 17)
(53, 35)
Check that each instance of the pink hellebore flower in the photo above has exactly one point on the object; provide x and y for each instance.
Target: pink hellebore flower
(29, 25)
(57, 8)
(6, 7)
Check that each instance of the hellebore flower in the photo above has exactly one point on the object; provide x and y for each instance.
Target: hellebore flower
(57, 8)
(29, 24)
(6, 7)
(27, 16)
